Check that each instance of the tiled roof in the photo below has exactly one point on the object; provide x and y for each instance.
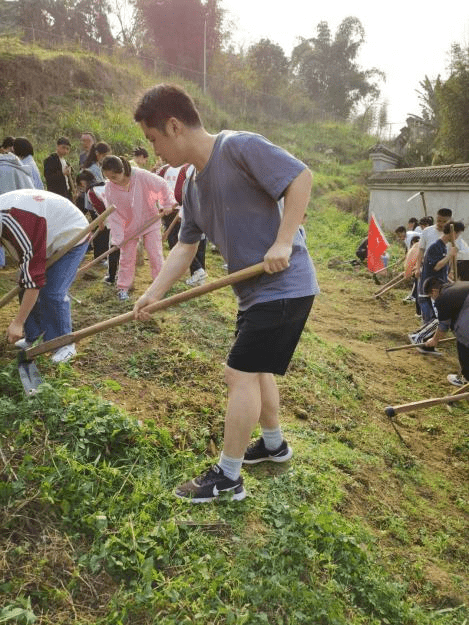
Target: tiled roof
(379, 148)
(423, 175)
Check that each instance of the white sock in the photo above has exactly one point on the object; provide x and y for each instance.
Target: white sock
(273, 438)
(231, 467)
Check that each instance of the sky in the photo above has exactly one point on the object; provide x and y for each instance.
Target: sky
(405, 39)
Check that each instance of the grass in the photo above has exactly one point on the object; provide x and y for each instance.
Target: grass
(362, 528)
(357, 530)
(103, 478)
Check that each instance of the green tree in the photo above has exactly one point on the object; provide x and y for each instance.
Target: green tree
(453, 106)
(179, 28)
(429, 105)
(130, 30)
(86, 19)
(326, 68)
(8, 15)
(268, 65)
(32, 13)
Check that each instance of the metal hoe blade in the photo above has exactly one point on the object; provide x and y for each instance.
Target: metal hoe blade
(29, 374)
(413, 196)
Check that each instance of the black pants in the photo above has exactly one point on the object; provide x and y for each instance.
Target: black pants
(199, 258)
(463, 355)
(101, 245)
(101, 242)
(113, 264)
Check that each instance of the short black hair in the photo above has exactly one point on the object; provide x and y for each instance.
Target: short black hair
(8, 142)
(87, 176)
(163, 102)
(102, 147)
(415, 239)
(22, 147)
(432, 283)
(64, 141)
(457, 225)
(445, 212)
(140, 152)
(400, 229)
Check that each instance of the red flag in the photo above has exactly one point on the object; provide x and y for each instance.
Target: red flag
(377, 245)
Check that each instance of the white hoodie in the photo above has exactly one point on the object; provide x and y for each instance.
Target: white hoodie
(13, 174)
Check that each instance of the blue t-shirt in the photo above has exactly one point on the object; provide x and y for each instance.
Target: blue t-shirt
(236, 200)
(436, 252)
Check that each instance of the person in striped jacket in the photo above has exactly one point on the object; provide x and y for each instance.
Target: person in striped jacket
(33, 225)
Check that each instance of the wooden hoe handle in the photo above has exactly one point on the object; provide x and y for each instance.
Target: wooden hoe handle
(413, 345)
(392, 411)
(74, 337)
(114, 248)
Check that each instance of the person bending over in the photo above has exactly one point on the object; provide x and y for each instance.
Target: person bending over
(452, 304)
(138, 195)
(249, 196)
(33, 225)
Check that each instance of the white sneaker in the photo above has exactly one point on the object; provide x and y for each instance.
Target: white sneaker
(456, 380)
(63, 354)
(198, 278)
(23, 344)
(123, 295)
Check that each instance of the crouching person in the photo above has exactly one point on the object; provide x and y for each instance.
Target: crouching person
(33, 225)
(452, 304)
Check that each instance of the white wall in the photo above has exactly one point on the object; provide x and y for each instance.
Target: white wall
(392, 209)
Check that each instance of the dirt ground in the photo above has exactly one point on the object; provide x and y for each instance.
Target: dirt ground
(346, 313)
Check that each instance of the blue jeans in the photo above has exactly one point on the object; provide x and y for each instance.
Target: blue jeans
(51, 314)
(426, 309)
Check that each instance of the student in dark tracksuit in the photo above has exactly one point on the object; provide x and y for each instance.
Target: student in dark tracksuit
(452, 304)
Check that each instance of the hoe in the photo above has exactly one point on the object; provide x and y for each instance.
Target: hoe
(28, 371)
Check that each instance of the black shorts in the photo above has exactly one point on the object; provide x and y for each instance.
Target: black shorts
(267, 335)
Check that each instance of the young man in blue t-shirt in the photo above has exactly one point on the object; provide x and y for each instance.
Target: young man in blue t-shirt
(437, 263)
(249, 196)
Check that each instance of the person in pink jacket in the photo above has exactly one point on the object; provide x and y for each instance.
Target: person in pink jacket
(138, 196)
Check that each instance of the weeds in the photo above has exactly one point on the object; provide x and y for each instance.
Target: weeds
(358, 530)
(76, 463)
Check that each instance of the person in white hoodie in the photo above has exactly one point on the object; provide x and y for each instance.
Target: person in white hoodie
(13, 174)
(33, 225)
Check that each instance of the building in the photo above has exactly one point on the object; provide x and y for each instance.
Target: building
(431, 188)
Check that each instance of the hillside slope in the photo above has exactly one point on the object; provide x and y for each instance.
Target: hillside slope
(367, 525)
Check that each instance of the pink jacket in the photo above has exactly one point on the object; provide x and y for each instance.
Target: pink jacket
(136, 204)
(411, 260)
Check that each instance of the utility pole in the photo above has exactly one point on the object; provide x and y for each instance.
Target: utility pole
(205, 55)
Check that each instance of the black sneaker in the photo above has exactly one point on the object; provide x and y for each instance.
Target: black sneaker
(210, 485)
(257, 452)
(424, 349)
